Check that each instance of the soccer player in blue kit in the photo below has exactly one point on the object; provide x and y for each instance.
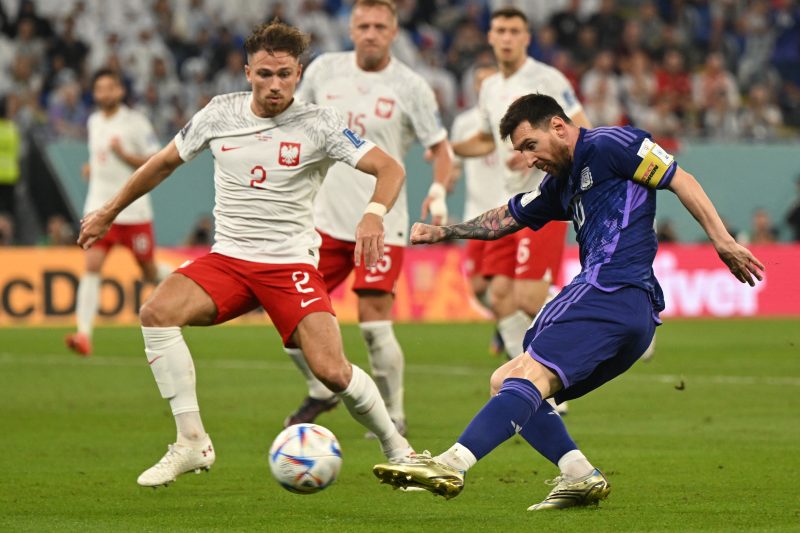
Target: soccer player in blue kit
(605, 181)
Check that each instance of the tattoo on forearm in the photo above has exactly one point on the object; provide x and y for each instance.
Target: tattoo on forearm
(489, 226)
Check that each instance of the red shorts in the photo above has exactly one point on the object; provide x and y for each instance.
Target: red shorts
(527, 254)
(473, 257)
(138, 238)
(336, 262)
(286, 292)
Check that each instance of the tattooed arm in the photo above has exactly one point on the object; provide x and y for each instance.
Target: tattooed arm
(489, 226)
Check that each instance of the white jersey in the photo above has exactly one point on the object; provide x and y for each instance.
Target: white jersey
(267, 172)
(108, 173)
(498, 93)
(486, 188)
(391, 108)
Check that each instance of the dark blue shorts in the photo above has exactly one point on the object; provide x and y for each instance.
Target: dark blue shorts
(588, 336)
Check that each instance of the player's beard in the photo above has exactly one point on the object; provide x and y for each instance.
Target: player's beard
(561, 164)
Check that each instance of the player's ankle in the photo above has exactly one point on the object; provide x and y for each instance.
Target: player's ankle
(574, 465)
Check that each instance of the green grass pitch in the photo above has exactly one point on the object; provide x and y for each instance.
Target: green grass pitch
(722, 454)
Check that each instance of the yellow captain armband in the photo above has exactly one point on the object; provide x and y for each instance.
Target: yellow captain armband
(655, 163)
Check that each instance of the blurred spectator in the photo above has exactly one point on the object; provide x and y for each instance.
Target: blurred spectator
(673, 84)
(27, 12)
(786, 51)
(608, 24)
(567, 23)
(6, 230)
(202, 234)
(9, 160)
(665, 231)
(59, 232)
(760, 118)
(28, 44)
(67, 113)
(544, 45)
(662, 122)
(442, 82)
(165, 80)
(72, 50)
(638, 87)
(468, 42)
(762, 230)
(714, 82)
(652, 27)
(600, 88)
(793, 214)
(721, 121)
(587, 49)
(231, 79)
(758, 35)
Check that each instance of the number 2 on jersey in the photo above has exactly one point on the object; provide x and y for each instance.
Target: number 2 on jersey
(258, 170)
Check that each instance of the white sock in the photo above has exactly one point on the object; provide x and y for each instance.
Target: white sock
(362, 399)
(458, 457)
(512, 329)
(87, 302)
(316, 389)
(172, 366)
(388, 364)
(574, 465)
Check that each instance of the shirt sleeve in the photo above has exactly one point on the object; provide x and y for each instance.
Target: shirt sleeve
(195, 135)
(644, 162)
(536, 208)
(485, 120)
(341, 143)
(424, 115)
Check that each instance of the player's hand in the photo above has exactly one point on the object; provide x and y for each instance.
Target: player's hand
(428, 155)
(517, 162)
(741, 262)
(93, 226)
(426, 233)
(369, 240)
(437, 208)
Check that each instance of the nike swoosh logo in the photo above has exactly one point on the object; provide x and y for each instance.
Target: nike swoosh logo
(306, 303)
(154, 359)
(520, 270)
(372, 279)
(229, 148)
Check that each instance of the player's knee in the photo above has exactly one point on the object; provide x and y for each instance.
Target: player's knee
(334, 376)
(496, 381)
(154, 314)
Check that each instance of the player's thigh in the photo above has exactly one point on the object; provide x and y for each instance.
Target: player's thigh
(479, 285)
(374, 305)
(501, 295)
(94, 258)
(526, 367)
(530, 295)
(178, 301)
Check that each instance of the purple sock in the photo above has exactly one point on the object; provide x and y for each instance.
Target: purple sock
(501, 417)
(546, 432)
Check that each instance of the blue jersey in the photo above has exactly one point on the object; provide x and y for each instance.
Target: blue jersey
(611, 200)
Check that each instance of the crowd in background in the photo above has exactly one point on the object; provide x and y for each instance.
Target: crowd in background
(723, 69)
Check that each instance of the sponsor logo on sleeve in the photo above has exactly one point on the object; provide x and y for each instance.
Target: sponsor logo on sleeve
(353, 137)
(289, 154)
(384, 108)
(569, 98)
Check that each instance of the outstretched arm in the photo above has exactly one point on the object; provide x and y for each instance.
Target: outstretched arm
(478, 145)
(95, 224)
(742, 264)
(489, 226)
(389, 176)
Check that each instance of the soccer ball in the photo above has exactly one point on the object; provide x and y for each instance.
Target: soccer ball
(305, 458)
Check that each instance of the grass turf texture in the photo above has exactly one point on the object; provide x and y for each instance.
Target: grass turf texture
(721, 454)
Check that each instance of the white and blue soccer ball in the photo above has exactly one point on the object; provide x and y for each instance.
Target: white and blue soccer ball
(305, 458)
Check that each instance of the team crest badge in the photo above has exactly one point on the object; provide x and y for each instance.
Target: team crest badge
(586, 178)
(289, 154)
(384, 108)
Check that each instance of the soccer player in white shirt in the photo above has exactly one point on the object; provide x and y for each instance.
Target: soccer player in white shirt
(271, 154)
(389, 103)
(120, 140)
(482, 191)
(521, 266)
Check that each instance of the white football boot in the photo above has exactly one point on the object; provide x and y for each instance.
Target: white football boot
(178, 460)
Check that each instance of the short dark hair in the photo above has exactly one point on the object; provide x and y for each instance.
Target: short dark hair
(276, 36)
(509, 13)
(537, 109)
(107, 72)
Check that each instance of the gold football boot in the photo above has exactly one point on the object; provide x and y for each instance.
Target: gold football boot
(585, 491)
(424, 472)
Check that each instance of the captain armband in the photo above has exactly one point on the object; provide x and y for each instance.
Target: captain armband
(654, 166)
